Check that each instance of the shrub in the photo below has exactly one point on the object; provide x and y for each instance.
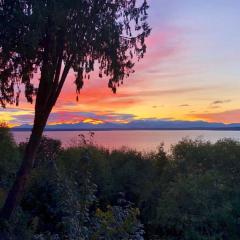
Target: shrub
(190, 193)
(9, 160)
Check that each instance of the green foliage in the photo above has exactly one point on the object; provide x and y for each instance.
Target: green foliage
(85, 192)
(84, 34)
(48, 150)
(16, 229)
(65, 207)
(118, 223)
(60, 204)
(9, 159)
(192, 193)
(199, 207)
(201, 201)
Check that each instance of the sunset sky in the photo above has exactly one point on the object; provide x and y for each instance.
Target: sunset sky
(191, 72)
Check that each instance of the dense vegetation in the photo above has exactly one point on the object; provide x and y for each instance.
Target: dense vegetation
(86, 192)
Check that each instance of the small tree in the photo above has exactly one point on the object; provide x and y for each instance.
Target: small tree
(51, 37)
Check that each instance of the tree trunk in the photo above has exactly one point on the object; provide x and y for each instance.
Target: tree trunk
(46, 98)
(16, 192)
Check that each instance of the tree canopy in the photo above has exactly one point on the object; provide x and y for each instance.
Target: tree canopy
(54, 36)
(51, 37)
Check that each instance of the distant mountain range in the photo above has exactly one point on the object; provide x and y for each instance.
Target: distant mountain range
(139, 125)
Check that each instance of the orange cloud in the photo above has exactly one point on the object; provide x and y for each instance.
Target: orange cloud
(100, 98)
(230, 116)
(96, 93)
(93, 121)
(96, 96)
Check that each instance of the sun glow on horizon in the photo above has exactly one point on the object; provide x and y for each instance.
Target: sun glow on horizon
(190, 73)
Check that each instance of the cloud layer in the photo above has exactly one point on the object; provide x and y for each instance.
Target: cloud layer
(190, 72)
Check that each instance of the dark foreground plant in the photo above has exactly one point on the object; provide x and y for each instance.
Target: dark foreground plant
(190, 193)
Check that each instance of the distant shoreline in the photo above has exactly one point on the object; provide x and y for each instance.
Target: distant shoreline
(125, 129)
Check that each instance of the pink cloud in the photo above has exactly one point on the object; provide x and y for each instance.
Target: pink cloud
(96, 94)
(231, 116)
(160, 46)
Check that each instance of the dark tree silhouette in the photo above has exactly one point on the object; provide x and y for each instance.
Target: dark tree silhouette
(50, 37)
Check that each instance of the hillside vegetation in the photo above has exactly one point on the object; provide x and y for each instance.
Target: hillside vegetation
(87, 192)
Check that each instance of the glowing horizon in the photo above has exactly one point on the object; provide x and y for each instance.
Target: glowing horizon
(190, 72)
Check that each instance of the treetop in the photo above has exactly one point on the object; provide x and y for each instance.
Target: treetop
(83, 35)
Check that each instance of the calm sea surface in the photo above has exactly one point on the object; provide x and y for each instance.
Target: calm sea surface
(139, 140)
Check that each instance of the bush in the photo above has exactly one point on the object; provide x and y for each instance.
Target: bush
(86, 192)
(9, 160)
